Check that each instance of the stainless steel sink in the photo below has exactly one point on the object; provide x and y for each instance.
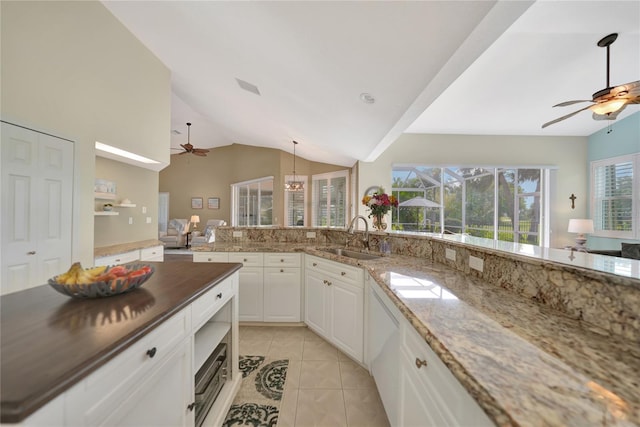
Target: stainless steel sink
(351, 254)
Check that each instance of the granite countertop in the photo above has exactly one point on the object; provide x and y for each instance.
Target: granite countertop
(524, 363)
(125, 247)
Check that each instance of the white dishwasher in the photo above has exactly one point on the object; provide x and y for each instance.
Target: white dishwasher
(384, 352)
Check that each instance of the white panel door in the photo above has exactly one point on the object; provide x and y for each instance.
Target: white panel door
(250, 295)
(316, 303)
(281, 294)
(37, 175)
(347, 318)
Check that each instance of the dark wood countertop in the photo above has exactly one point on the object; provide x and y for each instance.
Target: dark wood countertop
(50, 341)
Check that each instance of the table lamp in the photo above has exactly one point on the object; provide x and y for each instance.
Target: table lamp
(195, 219)
(582, 227)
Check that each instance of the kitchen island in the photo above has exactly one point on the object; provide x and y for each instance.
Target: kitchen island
(51, 342)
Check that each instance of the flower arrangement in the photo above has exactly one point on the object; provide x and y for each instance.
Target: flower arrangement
(379, 203)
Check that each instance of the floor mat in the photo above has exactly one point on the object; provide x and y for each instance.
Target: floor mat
(258, 401)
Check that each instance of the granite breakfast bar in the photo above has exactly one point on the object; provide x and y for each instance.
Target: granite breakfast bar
(524, 362)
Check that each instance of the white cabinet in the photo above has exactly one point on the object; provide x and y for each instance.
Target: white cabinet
(282, 287)
(121, 258)
(270, 284)
(149, 383)
(334, 304)
(36, 177)
(154, 253)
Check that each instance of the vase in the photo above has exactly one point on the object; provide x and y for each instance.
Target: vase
(378, 222)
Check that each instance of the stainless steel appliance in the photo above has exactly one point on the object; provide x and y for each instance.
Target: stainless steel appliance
(210, 378)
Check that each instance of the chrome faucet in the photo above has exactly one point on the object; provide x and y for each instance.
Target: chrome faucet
(351, 230)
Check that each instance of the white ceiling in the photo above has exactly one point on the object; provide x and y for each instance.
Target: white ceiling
(433, 67)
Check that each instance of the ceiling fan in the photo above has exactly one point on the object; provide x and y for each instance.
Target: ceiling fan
(609, 102)
(188, 148)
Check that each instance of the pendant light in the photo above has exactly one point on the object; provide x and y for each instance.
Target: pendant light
(294, 185)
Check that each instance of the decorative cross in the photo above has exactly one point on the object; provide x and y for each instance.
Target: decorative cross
(573, 201)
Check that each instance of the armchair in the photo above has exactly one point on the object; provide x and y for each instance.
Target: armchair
(209, 234)
(176, 235)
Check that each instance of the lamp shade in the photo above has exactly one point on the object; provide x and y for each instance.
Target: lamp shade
(580, 226)
(195, 219)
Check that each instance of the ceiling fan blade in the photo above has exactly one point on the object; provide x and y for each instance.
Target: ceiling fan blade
(565, 117)
(184, 152)
(200, 150)
(566, 103)
(627, 90)
(197, 153)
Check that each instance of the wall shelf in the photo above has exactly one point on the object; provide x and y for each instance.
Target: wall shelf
(104, 196)
(105, 213)
(125, 205)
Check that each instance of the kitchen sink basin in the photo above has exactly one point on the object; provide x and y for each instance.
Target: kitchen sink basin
(351, 254)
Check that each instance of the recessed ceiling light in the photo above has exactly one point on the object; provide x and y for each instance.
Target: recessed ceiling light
(248, 86)
(367, 98)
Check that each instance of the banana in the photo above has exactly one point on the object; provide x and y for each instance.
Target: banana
(71, 276)
(95, 271)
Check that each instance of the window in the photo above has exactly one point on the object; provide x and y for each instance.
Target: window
(494, 203)
(252, 202)
(330, 197)
(615, 195)
(295, 204)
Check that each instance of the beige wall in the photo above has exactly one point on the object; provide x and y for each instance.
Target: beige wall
(568, 154)
(137, 185)
(71, 69)
(211, 176)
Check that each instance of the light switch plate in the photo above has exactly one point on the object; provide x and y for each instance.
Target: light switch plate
(148, 220)
(476, 263)
(311, 234)
(130, 220)
(237, 234)
(450, 254)
(144, 209)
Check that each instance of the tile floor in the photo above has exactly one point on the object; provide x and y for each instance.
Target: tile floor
(324, 388)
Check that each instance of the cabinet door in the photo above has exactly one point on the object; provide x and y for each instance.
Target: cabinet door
(416, 408)
(251, 295)
(162, 399)
(346, 318)
(315, 303)
(281, 294)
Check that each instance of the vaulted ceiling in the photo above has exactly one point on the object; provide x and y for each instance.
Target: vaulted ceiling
(470, 67)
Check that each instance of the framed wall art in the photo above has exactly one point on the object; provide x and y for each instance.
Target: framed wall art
(196, 203)
(213, 202)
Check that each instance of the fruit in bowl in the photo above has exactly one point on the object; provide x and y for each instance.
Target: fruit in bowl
(101, 281)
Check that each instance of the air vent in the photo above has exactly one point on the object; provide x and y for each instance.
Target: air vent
(176, 132)
(248, 86)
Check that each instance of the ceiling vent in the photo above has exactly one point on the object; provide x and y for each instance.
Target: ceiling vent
(248, 86)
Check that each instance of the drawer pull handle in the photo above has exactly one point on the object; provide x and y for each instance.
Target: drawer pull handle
(191, 406)
(118, 260)
(209, 259)
(245, 260)
(31, 253)
(315, 264)
(281, 260)
(151, 352)
(342, 273)
(326, 282)
(281, 271)
(219, 295)
(420, 363)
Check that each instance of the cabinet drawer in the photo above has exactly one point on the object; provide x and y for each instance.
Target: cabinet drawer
(248, 259)
(282, 260)
(122, 258)
(210, 257)
(155, 253)
(91, 401)
(204, 307)
(346, 273)
(453, 400)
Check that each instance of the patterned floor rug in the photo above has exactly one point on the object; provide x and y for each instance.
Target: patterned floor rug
(258, 401)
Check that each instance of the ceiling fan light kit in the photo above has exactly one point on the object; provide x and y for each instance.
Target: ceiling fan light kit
(608, 102)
